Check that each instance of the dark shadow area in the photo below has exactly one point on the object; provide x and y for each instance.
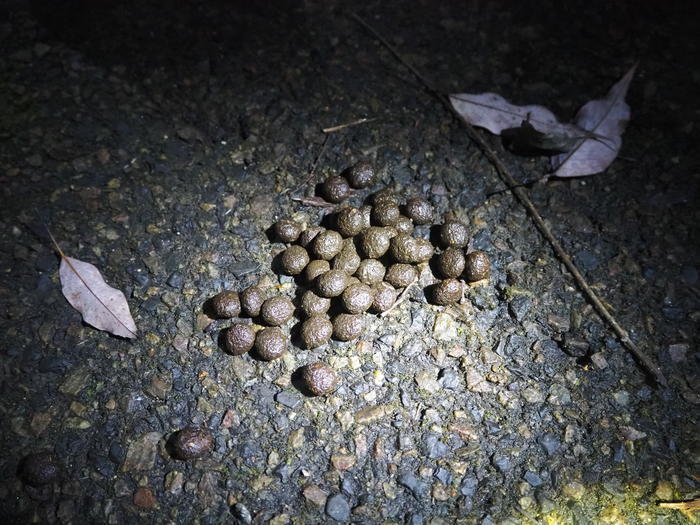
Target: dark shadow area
(181, 35)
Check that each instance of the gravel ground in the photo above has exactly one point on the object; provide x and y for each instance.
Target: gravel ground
(161, 144)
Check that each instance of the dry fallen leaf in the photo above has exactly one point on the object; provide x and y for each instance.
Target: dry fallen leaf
(606, 117)
(585, 147)
(101, 306)
(495, 113)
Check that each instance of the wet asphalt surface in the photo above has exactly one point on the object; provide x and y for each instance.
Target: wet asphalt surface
(161, 143)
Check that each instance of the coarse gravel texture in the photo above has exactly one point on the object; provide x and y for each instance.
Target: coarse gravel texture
(162, 143)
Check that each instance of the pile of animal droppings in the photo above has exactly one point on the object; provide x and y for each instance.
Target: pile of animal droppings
(358, 266)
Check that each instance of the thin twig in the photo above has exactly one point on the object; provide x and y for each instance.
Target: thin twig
(401, 298)
(326, 140)
(348, 124)
(686, 507)
(646, 362)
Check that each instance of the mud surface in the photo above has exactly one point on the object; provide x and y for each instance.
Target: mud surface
(160, 143)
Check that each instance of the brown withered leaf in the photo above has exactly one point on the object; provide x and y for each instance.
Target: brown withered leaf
(585, 147)
(101, 306)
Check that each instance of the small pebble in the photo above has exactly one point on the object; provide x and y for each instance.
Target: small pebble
(338, 508)
(144, 498)
(241, 512)
(191, 443)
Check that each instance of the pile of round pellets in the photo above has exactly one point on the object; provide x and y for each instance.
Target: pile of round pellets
(357, 266)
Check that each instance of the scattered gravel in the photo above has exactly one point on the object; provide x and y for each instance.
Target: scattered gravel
(166, 159)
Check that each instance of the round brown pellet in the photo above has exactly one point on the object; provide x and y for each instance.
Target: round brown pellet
(407, 249)
(350, 221)
(252, 299)
(332, 283)
(294, 260)
(316, 268)
(348, 326)
(450, 263)
(316, 331)
(357, 298)
(327, 244)
(385, 195)
(374, 241)
(361, 175)
(384, 297)
(239, 338)
(226, 304)
(277, 310)
(319, 378)
(347, 260)
(447, 292)
(287, 230)
(401, 275)
(312, 304)
(370, 271)
(385, 214)
(335, 189)
(477, 266)
(404, 225)
(420, 211)
(309, 234)
(454, 233)
(270, 343)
